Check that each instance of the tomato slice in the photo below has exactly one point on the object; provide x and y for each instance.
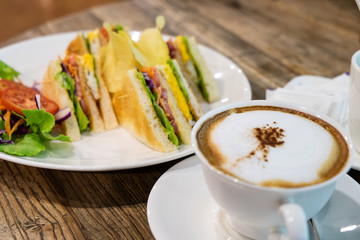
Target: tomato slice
(4, 84)
(105, 34)
(16, 99)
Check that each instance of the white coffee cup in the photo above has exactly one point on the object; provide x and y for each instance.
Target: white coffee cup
(260, 212)
(354, 100)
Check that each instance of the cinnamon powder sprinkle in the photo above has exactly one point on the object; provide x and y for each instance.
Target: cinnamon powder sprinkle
(268, 136)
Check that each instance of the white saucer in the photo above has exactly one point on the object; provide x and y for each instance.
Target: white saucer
(180, 207)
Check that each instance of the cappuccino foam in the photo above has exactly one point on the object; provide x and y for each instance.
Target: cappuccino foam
(273, 146)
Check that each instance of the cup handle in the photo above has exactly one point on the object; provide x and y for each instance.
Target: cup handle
(295, 221)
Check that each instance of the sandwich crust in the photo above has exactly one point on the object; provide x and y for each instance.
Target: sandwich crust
(105, 104)
(77, 46)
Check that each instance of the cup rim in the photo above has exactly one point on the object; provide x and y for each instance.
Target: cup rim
(297, 107)
(354, 62)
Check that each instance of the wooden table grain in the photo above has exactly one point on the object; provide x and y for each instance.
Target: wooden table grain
(272, 41)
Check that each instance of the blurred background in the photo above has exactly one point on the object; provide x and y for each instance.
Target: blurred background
(19, 15)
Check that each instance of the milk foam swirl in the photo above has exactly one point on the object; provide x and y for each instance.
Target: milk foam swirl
(265, 147)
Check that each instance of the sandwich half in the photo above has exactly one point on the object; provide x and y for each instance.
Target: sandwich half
(172, 68)
(59, 86)
(151, 97)
(157, 106)
(145, 113)
(69, 83)
(192, 63)
(88, 47)
(162, 84)
(156, 52)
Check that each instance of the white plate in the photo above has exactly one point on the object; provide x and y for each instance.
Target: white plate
(111, 150)
(180, 207)
(312, 81)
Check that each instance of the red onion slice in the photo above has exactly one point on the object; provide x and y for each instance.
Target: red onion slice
(62, 114)
(36, 86)
(37, 100)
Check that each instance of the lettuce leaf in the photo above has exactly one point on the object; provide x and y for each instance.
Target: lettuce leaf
(170, 62)
(40, 124)
(117, 27)
(69, 84)
(30, 145)
(82, 119)
(7, 72)
(39, 120)
(87, 43)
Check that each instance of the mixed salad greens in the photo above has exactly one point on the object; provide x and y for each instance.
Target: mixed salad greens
(25, 133)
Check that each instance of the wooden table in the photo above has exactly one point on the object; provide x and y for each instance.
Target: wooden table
(272, 41)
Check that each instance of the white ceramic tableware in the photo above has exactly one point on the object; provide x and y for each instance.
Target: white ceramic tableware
(180, 207)
(115, 149)
(262, 212)
(354, 100)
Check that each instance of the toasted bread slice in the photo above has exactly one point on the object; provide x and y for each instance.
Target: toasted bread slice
(77, 46)
(105, 105)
